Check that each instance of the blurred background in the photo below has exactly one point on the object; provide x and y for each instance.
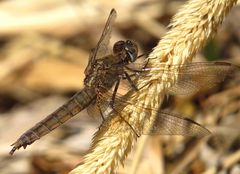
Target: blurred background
(44, 49)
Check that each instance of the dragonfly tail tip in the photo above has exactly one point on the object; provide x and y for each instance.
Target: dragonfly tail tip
(13, 150)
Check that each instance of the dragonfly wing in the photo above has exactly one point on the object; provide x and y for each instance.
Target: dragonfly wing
(201, 76)
(172, 124)
(193, 77)
(102, 49)
(99, 109)
(90, 62)
(165, 123)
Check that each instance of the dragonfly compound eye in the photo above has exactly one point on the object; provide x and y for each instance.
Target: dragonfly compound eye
(118, 47)
(131, 50)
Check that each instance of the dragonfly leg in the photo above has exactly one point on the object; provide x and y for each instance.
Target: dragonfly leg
(100, 110)
(133, 70)
(127, 123)
(130, 75)
(111, 103)
(130, 81)
(138, 70)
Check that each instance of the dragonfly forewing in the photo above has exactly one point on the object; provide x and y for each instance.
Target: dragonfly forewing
(76, 104)
(102, 48)
(202, 76)
(191, 77)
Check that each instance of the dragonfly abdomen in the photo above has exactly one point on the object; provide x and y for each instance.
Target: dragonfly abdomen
(76, 104)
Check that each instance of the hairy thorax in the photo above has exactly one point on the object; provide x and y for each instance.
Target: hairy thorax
(103, 74)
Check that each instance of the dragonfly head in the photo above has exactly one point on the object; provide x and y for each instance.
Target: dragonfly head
(127, 50)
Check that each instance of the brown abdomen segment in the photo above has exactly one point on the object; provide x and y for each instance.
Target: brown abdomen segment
(76, 104)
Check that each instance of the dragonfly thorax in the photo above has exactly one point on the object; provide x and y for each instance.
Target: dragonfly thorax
(93, 75)
(102, 74)
(126, 50)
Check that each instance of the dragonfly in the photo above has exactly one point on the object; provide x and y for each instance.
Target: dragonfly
(108, 67)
